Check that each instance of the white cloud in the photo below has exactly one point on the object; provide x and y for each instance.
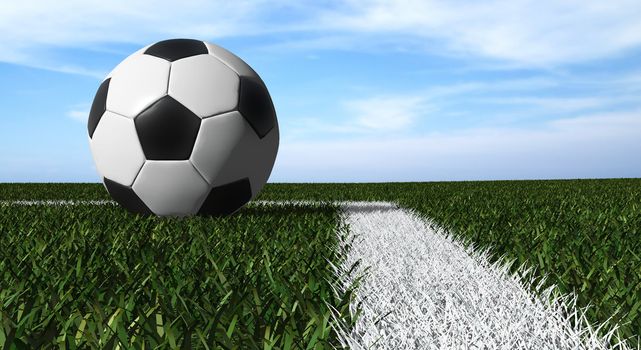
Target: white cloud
(80, 22)
(386, 112)
(521, 32)
(381, 114)
(398, 114)
(79, 113)
(531, 32)
(304, 127)
(603, 145)
(29, 30)
(64, 68)
(553, 104)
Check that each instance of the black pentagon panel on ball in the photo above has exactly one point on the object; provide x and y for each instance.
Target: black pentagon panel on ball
(175, 49)
(126, 197)
(98, 107)
(167, 130)
(256, 106)
(226, 199)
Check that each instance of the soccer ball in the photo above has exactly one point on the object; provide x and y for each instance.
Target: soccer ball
(183, 127)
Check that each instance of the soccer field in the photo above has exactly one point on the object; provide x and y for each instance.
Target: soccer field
(286, 275)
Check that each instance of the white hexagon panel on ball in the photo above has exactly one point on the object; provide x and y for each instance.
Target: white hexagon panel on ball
(171, 187)
(136, 83)
(205, 84)
(116, 150)
(217, 138)
(183, 127)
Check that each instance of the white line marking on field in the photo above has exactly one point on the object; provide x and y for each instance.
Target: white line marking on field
(426, 291)
(58, 202)
(111, 202)
(63, 202)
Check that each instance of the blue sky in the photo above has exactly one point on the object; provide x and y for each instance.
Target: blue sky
(365, 91)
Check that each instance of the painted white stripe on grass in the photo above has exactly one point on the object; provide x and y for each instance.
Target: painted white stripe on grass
(58, 202)
(111, 202)
(426, 291)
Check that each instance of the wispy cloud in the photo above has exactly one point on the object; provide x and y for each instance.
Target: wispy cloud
(79, 113)
(603, 145)
(30, 30)
(78, 22)
(386, 112)
(53, 66)
(519, 32)
(548, 104)
(531, 32)
(380, 115)
(405, 111)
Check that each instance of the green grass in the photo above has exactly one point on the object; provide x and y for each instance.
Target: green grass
(97, 276)
(52, 191)
(583, 235)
